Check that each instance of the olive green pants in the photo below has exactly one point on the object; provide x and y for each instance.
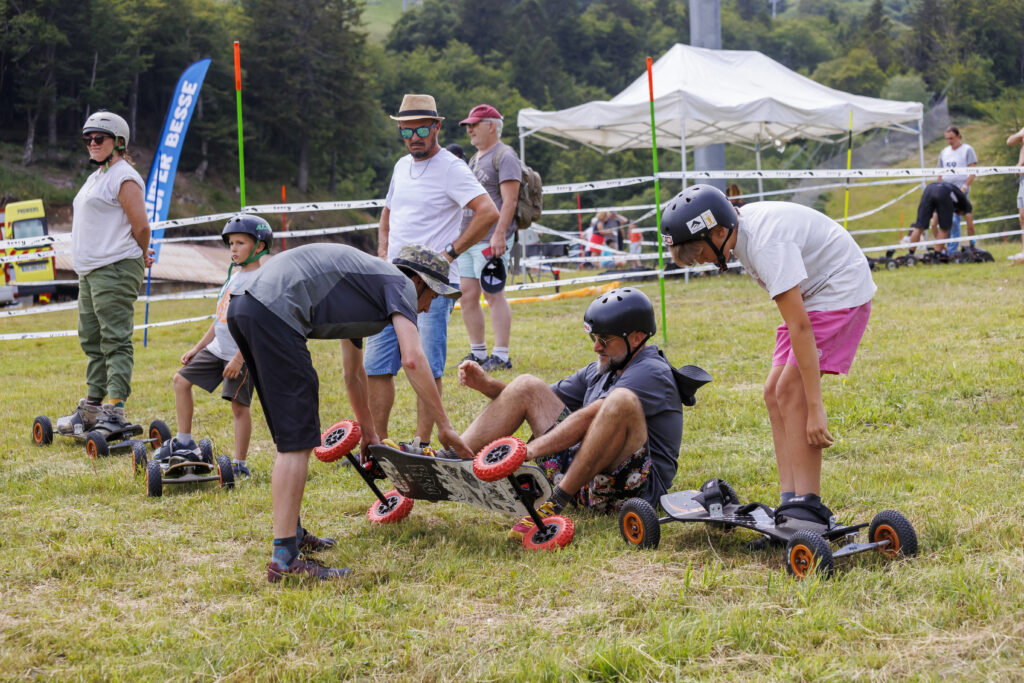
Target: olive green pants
(106, 318)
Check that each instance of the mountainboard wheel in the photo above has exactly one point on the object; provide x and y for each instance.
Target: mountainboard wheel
(154, 479)
(499, 458)
(338, 441)
(225, 473)
(42, 431)
(206, 449)
(159, 433)
(891, 265)
(806, 553)
(556, 533)
(638, 524)
(138, 456)
(96, 444)
(889, 525)
(394, 510)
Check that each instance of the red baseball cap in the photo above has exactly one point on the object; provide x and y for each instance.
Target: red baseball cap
(481, 112)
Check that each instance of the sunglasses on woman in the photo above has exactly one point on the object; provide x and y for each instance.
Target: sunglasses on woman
(97, 139)
(422, 131)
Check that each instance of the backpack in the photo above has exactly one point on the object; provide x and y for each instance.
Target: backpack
(531, 189)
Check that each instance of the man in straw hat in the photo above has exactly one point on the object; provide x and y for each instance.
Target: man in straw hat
(430, 188)
(329, 291)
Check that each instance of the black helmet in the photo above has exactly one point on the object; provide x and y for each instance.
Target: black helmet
(693, 212)
(620, 312)
(253, 226)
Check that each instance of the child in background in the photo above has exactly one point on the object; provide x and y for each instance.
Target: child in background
(636, 246)
(821, 283)
(215, 359)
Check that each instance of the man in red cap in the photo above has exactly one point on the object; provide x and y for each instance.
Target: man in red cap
(499, 171)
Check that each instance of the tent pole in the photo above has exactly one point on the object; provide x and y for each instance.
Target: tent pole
(760, 182)
(920, 144)
(522, 148)
(682, 141)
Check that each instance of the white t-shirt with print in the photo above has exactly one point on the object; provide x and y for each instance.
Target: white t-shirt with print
(960, 157)
(100, 231)
(223, 345)
(784, 245)
(426, 199)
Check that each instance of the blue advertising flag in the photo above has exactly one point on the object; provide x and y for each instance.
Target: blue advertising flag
(165, 162)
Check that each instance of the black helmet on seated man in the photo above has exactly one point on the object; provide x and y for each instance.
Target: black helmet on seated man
(621, 312)
(693, 213)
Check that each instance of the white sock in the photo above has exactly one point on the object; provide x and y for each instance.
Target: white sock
(182, 437)
(479, 350)
(501, 352)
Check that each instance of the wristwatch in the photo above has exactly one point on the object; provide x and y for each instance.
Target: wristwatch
(450, 250)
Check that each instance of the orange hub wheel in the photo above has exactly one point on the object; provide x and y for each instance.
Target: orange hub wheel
(633, 528)
(801, 561)
(884, 532)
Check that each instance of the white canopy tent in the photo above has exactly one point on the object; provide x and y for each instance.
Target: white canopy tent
(704, 96)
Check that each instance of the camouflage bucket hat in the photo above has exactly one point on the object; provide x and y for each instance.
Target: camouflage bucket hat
(416, 259)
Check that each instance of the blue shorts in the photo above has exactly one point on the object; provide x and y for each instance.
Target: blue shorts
(472, 261)
(381, 355)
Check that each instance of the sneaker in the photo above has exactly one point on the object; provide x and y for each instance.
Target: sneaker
(303, 567)
(112, 418)
(523, 526)
(495, 363)
(312, 544)
(240, 469)
(473, 357)
(414, 447)
(172, 447)
(83, 418)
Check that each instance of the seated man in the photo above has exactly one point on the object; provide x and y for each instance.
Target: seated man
(607, 433)
(941, 199)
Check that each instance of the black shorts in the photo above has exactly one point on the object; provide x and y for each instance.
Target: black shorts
(206, 371)
(938, 198)
(282, 371)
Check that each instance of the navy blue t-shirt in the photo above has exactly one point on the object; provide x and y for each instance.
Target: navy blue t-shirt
(649, 377)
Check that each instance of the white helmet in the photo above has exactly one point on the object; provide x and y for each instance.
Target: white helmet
(104, 121)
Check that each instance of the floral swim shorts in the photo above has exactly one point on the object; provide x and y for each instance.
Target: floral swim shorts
(605, 493)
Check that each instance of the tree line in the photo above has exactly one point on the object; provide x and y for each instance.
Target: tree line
(316, 92)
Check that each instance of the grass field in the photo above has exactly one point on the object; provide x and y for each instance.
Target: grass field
(100, 582)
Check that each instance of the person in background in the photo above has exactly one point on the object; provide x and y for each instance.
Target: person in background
(957, 156)
(110, 252)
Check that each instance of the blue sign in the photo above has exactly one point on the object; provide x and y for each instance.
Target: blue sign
(160, 183)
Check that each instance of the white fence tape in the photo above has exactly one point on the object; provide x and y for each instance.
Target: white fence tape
(74, 333)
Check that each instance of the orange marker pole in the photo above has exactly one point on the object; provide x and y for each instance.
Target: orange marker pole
(284, 223)
(238, 107)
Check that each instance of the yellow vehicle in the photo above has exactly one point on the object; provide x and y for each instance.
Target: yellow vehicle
(33, 277)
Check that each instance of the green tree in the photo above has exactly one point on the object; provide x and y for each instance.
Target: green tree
(857, 73)
(307, 82)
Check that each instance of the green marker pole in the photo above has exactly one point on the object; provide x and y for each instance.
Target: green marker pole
(657, 206)
(238, 106)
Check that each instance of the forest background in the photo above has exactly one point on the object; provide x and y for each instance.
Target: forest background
(321, 76)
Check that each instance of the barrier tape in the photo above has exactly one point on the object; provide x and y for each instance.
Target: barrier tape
(74, 333)
(53, 308)
(840, 173)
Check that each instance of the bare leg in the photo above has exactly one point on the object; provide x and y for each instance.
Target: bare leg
(243, 429)
(782, 461)
(617, 432)
(381, 391)
(804, 459)
(472, 313)
(501, 318)
(425, 423)
(525, 399)
(287, 483)
(183, 405)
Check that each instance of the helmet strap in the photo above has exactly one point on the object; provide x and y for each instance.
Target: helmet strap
(253, 255)
(105, 163)
(615, 366)
(719, 252)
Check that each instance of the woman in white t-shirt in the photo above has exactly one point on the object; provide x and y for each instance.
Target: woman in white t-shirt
(109, 251)
(821, 283)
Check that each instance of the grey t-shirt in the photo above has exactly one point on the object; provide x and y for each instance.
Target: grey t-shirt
(508, 168)
(649, 376)
(332, 291)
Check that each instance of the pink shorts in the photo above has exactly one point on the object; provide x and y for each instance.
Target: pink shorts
(836, 334)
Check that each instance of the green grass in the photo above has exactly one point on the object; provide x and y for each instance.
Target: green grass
(380, 15)
(100, 582)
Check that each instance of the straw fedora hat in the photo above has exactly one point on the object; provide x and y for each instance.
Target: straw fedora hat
(417, 107)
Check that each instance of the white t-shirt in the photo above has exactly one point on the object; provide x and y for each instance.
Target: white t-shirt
(784, 245)
(100, 231)
(223, 345)
(957, 158)
(426, 199)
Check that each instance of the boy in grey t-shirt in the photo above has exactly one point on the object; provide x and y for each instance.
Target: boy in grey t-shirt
(215, 359)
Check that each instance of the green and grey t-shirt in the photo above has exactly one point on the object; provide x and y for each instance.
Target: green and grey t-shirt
(332, 291)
